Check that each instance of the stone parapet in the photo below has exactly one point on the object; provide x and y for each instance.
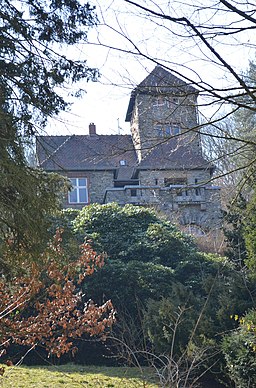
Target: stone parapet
(199, 205)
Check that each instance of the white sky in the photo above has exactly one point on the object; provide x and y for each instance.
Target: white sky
(106, 101)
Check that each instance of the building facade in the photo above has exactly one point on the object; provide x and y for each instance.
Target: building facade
(160, 164)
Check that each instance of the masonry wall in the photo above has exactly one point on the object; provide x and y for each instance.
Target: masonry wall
(185, 207)
(98, 181)
(204, 213)
(196, 204)
(151, 111)
(149, 177)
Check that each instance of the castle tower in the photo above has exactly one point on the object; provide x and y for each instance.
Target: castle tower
(160, 107)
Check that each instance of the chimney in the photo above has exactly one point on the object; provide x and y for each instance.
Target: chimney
(92, 129)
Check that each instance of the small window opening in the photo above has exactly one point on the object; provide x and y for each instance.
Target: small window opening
(197, 189)
(174, 181)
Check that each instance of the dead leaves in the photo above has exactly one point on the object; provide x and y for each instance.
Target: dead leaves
(47, 308)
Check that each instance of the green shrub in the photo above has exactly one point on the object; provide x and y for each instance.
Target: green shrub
(239, 349)
(132, 233)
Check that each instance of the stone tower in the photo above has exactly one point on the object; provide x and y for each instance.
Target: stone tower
(163, 106)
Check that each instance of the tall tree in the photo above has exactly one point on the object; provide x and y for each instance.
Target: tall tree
(245, 121)
(35, 63)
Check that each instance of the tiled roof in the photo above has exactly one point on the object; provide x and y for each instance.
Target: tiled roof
(97, 152)
(125, 173)
(174, 154)
(86, 152)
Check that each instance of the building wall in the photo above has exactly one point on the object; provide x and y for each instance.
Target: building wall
(136, 133)
(203, 211)
(149, 177)
(194, 202)
(152, 111)
(98, 181)
(187, 206)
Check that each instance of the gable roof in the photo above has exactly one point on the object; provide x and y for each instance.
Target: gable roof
(84, 152)
(104, 152)
(157, 82)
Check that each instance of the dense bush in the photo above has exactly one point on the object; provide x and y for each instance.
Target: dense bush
(152, 274)
(239, 349)
(249, 234)
(132, 233)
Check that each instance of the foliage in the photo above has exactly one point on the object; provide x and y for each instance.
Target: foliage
(250, 234)
(245, 118)
(132, 233)
(31, 66)
(149, 295)
(169, 323)
(234, 218)
(44, 306)
(63, 219)
(34, 66)
(28, 196)
(133, 281)
(230, 139)
(148, 257)
(106, 226)
(240, 232)
(154, 276)
(239, 348)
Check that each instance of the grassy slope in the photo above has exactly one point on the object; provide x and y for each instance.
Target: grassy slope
(74, 376)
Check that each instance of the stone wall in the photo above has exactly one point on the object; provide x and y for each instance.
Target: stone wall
(188, 205)
(149, 177)
(203, 211)
(182, 205)
(149, 113)
(98, 181)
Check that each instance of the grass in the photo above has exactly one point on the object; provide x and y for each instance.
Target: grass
(75, 376)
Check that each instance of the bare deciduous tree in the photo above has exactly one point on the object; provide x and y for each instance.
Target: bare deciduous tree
(208, 45)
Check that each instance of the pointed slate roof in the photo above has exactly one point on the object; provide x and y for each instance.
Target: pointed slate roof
(84, 152)
(162, 80)
(157, 82)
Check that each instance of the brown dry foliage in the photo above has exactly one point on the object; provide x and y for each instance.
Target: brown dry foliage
(46, 307)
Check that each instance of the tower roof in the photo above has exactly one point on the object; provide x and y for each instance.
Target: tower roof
(160, 81)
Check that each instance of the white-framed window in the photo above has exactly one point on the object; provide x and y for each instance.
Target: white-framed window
(79, 191)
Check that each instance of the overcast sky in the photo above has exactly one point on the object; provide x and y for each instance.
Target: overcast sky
(105, 102)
